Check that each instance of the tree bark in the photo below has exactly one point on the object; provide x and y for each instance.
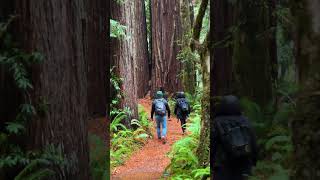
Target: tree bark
(188, 64)
(130, 54)
(251, 51)
(305, 124)
(96, 55)
(166, 33)
(221, 51)
(57, 30)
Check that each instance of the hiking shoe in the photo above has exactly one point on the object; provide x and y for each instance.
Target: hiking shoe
(163, 140)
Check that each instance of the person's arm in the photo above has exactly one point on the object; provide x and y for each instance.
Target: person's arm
(152, 110)
(175, 109)
(168, 109)
(214, 143)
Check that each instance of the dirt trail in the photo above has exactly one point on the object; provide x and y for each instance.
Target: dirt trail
(150, 161)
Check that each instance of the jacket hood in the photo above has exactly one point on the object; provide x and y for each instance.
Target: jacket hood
(229, 105)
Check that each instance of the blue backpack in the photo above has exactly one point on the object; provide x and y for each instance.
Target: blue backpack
(160, 107)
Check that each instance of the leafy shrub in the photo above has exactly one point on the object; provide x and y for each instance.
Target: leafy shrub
(184, 162)
(125, 141)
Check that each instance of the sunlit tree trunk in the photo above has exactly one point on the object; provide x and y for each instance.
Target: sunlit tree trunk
(130, 53)
(305, 124)
(166, 34)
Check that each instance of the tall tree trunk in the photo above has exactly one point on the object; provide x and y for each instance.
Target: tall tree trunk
(221, 51)
(96, 55)
(166, 32)
(251, 51)
(204, 142)
(188, 64)
(130, 54)
(142, 56)
(305, 124)
(57, 30)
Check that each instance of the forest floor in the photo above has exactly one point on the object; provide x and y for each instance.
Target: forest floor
(150, 161)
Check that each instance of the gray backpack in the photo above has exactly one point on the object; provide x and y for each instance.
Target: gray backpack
(160, 107)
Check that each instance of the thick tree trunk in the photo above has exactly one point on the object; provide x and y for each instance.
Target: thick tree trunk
(221, 52)
(57, 30)
(166, 32)
(96, 55)
(305, 124)
(130, 54)
(251, 51)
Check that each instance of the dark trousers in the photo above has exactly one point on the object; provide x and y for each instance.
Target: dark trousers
(226, 173)
(183, 124)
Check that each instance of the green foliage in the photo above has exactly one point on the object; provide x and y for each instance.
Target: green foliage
(125, 141)
(36, 165)
(274, 139)
(117, 30)
(99, 159)
(184, 162)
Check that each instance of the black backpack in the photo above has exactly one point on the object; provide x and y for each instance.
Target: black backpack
(183, 104)
(235, 136)
(160, 107)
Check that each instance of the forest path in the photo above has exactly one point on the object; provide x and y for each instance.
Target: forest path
(149, 162)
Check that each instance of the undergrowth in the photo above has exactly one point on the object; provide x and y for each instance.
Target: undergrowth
(184, 162)
(125, 141)
(274, 138)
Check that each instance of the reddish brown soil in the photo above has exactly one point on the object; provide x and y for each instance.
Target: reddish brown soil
(150, 161)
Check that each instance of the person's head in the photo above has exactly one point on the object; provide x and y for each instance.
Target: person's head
(161, 89)
(180, 94)
(159, 94)
(228, 105)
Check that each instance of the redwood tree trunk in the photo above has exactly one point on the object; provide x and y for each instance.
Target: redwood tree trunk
(96, 55)
(130, 53)
(305, 124)
(166, 32)
(58, 30)
(251, 51)
(221, 52)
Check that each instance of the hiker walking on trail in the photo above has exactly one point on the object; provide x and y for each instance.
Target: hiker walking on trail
(182, 110)
(233, 142)
(160, 108)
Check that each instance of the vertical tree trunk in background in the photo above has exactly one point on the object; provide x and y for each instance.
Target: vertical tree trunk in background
(96, 55)
(57, 30)
(142, 56)
(252, 51)
(305, 124)
(130, 54)
(189, 68)
(221, 51)
(166, 32)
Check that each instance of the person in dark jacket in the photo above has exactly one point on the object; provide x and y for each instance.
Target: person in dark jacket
(225, 165)
(182, 110)
(160, 108)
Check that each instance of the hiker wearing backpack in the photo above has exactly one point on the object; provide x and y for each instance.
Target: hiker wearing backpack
(182, 110)
(160, 108)
(233, 142)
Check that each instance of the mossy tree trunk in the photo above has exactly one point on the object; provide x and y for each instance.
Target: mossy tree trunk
(251, 52)
(306, 124)
(204, 142)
